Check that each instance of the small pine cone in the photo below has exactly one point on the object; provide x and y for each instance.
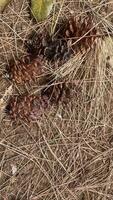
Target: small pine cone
(52, 48)
(26, 107)
(24, 70)
(76, 28)
(57, 92)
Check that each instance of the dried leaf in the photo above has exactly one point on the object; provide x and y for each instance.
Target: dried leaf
(41, 8)
(3, 4)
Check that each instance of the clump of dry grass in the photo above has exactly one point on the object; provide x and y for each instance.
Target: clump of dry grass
(68, 153)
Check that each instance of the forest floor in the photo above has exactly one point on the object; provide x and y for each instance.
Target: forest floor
(68, 153)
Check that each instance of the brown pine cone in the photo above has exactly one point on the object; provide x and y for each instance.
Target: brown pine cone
(26, 107)
(57, 92)
(77, 28)
(24, 70)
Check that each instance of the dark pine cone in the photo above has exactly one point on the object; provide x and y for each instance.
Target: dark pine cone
(26, 107)
(52, 48)
(76, 28)
(34, 44)
(24, 70)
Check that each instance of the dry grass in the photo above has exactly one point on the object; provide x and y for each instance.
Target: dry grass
(68, 153)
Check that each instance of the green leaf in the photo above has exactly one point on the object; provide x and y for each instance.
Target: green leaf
(3, 4)
(41, 8)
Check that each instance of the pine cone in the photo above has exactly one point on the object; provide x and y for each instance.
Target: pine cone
(26, 107)
(52, 48)
(60, 46)
(24, 70)
(34, 43)
(57, 50)
(57, 92)
(77, 28)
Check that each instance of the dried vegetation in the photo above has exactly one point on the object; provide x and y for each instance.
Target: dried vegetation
(67, 153)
